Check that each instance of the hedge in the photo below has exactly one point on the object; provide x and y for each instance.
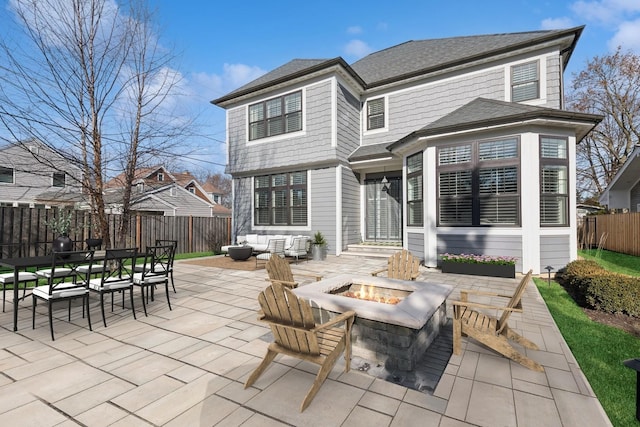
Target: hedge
(594, 287)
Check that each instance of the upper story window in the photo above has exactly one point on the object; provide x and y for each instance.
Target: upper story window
(6, 175)
(160, 176)
(525, 82)
(554, 182)
(375, 114)
(415, 215)
(192, 190)
(140, 187)
(59, 179)
(276, 116)
(281, 199)
(478, 183)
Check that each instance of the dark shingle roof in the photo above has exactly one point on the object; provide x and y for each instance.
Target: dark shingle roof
(417, 57)
(370, 152)
(413, 58)
(482, 112)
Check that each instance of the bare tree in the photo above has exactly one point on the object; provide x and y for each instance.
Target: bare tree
(609, 86)
(223, 183)
(90, 80)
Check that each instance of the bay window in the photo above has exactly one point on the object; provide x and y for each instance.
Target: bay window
(479, 183)
(281, 199)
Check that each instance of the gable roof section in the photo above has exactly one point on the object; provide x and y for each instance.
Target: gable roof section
(484, 113)
(412, 59)
(289, 71)
(419, 57)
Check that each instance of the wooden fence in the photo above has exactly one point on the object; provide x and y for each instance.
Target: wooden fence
(23, 229)
(615, 232)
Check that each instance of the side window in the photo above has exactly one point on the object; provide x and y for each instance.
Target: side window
(554, 182)
(415, 215)
(59, 179)
(525, 82)
(276, 116)
(6, 175)
(375, 114)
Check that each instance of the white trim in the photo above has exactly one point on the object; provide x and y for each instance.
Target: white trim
(430, 212)
(339, 209)
(365, 114)
(573, 212)
(334, 112)
(282, 136)
(530, 205)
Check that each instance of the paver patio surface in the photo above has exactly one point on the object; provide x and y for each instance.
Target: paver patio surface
(187, 367)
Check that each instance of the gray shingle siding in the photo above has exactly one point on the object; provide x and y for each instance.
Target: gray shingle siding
(415, 244)
(481, 245)
(553, 82)
(411, 109)
(32, 177)
(348, 122)
(242, 207)
(554, 251)
(285, 150)
(323, 204)
(350, 209)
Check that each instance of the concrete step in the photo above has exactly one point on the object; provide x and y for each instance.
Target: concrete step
(376, 251)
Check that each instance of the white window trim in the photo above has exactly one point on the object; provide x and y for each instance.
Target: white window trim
(365, 116)
(282, 136)
(542, 80)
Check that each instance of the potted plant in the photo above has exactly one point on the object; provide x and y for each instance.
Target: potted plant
(479, 265)
(60, 225)
(318, 247)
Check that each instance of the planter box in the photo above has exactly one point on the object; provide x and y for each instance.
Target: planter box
(492, 270)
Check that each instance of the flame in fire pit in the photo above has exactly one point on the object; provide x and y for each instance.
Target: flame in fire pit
(368, 293)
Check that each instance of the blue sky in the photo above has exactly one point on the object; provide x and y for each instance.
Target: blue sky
(222, 45)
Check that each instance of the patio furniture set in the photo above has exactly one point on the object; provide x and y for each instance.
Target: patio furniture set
(264, 246)
(70, 275)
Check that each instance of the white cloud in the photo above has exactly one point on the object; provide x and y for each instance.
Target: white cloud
(627, 36)
(357, 48)
(606, 12)
(356, 29)
(556, 23)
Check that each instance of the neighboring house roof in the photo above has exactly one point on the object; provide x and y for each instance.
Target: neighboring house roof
(411, 59)
(176, 200)
(623, 181)
(212, 189)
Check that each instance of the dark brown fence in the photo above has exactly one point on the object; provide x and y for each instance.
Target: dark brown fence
(615, 232)
(25, 229)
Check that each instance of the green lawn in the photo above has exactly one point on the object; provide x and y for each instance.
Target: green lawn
(599, 349)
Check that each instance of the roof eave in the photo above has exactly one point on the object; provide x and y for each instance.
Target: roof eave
(225, 100)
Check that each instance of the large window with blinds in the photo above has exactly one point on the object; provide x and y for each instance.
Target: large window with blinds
(375, 114)
(415, 216)
(281, 199)
(525, 82)
(554, 182)
(479, 183)
(276, 116)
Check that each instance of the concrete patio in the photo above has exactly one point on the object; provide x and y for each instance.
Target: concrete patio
(186, 367)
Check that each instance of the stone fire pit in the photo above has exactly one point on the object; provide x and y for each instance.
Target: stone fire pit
(394, 334)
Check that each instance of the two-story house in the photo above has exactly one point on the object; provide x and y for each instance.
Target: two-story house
(455, 145)
(33, 175)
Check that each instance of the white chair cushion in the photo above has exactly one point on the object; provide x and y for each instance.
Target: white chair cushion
(59, 292)
(149, 279)
(97, 285)
(60, 272)
(95, 268)
(23, 276)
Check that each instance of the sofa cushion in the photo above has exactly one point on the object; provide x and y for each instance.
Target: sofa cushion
(251, 238)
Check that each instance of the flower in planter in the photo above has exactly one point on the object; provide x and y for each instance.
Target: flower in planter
(479, 259)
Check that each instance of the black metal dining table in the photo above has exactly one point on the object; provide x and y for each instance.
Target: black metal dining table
(23, 263)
